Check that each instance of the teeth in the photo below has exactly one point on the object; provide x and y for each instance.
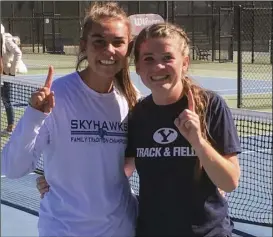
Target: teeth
(159, 78)
(107, 62)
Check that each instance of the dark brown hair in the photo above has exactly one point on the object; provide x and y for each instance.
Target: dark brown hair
(168, 30)
(97, 12)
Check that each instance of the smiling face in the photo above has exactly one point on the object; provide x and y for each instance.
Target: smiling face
(106, 47)
(161, 65)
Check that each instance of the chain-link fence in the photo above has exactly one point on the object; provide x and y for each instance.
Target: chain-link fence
(46, 33)
(209, 24)
(255, 57)
(218, 33)
(49, 28)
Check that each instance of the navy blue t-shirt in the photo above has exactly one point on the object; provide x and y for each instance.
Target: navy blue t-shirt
(171, 202)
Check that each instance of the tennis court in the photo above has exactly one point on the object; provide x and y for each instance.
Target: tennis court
(250, 203)
(222, 85)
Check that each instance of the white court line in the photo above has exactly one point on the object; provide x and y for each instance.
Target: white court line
(4, 176)
(259, 150)
(211, 78)
(225, 78)
(235, 89)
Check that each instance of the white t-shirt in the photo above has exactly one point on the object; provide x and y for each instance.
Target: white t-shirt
(83, 142)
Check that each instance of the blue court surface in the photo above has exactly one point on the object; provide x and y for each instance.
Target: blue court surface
(20, 222)
(223, 86)
(16, 222)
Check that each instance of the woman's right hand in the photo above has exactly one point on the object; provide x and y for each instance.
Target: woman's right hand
(42, 186)
(43, 99)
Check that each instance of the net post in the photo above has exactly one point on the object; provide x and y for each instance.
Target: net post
(239, 58)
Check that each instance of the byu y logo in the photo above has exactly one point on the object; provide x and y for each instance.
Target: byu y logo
(165, 135)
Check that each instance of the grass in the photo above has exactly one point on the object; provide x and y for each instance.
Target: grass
(248, 127)
(262, 103)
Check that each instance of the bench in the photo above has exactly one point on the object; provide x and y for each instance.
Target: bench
(202, 54)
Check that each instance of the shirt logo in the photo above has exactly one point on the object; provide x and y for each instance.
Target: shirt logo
(92, 131)
(165, 135)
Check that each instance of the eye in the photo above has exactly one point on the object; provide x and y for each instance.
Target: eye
(148, 59)
(99, 42)
(168, 57)
(118, 43)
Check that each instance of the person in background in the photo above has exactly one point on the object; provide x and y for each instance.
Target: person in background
(11, 53)
(8, 44)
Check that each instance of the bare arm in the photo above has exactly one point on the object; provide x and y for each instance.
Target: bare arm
(224, 171)
(129, 166)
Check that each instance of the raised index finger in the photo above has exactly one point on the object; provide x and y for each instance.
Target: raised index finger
(49, 78)
(191, 103)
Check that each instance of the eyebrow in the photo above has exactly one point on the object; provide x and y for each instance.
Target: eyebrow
(147, 54)
(101, 36)
(150, 54)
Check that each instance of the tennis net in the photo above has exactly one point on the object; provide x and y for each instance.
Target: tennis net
(250, 203)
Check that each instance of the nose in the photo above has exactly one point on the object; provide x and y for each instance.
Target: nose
(159, 66)
(110, 49)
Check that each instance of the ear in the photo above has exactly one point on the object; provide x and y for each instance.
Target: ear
(185, 64)
(82, 45)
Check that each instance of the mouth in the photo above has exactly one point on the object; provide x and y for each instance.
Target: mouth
(107, 62)
(160, 78)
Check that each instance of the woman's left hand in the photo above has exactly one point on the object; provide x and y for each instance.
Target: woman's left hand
(188, 122)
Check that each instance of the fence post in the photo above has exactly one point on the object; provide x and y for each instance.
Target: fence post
(166, 11)
(32, 31)
(138, 7)
(212, 33)
(271, 43)
(239, 58)
(43, 27)
(252, 32)
(173, 11)
(192, 29)
(219, 34)
(53, 27)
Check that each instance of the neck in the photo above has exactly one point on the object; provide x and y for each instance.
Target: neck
(96, 82)
(169, 96)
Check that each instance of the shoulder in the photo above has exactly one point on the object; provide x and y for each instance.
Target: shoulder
(216, 102)
(63, 87)
(218, 115)
(143, 104)
(221, 126)
(217, 106)
(60, 84)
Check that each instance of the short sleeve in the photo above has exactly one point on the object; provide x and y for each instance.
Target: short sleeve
(222, 129)
(130, 149)
(132, 118)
